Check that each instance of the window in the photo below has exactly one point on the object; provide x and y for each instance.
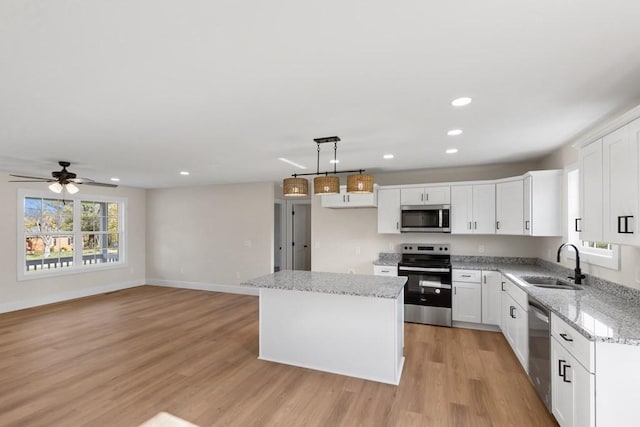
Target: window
(60, 236)
(597, 253)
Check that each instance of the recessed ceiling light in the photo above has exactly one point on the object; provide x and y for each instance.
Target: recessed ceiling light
(115, 179)
(185, 173)
(388, 156)
(334, 161)
(454, 132)
(451, 151)
(461, 102)
(282, 159)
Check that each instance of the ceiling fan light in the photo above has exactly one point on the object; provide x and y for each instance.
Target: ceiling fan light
(56, 187)
(360, 183)
(295, 187)
(326, 185)
(71, 189)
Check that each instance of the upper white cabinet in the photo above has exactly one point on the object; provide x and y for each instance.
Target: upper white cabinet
(510, 207)
(389, 210)
(590, 163)
(543, 203)
(350, 200)
(620, 185)
(473, 209)
(425, 196)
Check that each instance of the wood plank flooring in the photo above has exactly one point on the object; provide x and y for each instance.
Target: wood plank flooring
(120, 358)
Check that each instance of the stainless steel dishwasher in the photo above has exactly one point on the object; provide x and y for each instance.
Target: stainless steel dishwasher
(540, 350)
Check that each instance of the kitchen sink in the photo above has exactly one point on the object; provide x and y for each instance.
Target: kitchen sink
(551, 283)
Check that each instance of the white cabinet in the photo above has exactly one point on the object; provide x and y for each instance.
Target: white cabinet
(620, 151)
(510, 207)
(543, 203)
(572, 376)
(350, 200)
(425, 195)
(491, 297)
(467, 296)
(385, 270)
(514, 321)
(389, 210)
(591, 212)
(473, 209)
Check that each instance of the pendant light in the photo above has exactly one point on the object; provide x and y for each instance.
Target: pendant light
(327, 182)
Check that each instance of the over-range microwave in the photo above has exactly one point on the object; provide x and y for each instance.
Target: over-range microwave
(425, 219)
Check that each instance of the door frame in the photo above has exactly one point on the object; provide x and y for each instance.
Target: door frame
(289, 205)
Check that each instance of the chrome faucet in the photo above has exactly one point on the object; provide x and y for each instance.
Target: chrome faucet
(578, 274)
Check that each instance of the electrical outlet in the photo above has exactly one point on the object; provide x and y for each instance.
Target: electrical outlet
(481, 249)
(391, 246)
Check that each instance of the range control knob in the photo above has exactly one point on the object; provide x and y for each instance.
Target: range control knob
(437, 291)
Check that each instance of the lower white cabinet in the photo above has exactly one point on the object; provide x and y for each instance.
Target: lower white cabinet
(491, 297)
(572, 389)
(466, 306)
(514, 321)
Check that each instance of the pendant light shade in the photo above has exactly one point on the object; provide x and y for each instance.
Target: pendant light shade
(360, 183)
(295, 187)
(326, 185)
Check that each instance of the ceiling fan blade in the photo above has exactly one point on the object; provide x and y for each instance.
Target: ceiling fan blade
(82, 180)
(32, 177)
(98, 184)
(32, 180)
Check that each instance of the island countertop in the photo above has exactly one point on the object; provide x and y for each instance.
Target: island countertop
(331, 283)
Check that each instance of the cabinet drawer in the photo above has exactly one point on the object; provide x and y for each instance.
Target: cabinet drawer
(472, 276)
(577, 344)
(385, 270)
(517, 294)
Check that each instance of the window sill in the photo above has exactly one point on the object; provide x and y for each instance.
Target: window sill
(41, 274)
(610, 262)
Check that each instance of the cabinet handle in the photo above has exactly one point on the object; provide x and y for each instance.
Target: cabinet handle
(384, 271)
(469, 225)
(348, 198)
(465, 275)
(397, 225)
(475, 225)
(560, 366)
(502, 286)
(427, 197)
(455, 290)
(526, 225)
(626, 224)
(497, 225)
(564, 337)
(422, 197)
(512, 310)
(484, 279)
(344, 198)
(578, 229)
(564, 374)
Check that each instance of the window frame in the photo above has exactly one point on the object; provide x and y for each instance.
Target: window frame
(592, 256)
(77, 233)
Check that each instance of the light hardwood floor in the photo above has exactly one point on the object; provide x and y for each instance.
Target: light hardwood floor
(118, 359)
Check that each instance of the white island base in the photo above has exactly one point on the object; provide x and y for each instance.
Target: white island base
(350, 335)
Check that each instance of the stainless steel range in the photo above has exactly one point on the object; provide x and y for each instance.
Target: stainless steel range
(427, 294)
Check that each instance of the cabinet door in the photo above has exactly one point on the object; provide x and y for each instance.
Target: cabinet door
(510, 207)
(437, 195)
(334, 200)
(528, 190)
(491, 297)
(561, 391)
(508, 325)
(466, 304)
(484, 209)
(389, 210)
(591, 212)
(521, 335)
(412, 196)
(356, 200)
(620, 171)
(385, 270)
(461, 209)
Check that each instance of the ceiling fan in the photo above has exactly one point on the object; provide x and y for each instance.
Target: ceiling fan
(62, 179)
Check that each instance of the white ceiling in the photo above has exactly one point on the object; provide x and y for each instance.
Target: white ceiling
(141, 89)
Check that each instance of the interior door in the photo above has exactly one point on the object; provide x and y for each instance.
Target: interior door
(301, 236)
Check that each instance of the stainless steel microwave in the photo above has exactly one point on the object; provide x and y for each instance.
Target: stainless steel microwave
(425, 219)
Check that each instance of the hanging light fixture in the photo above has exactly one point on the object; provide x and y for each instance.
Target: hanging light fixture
(57, 187)
(327, 182)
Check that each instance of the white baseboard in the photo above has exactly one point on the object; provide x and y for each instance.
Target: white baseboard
(477, 326)
(65, 296)
(202, 286)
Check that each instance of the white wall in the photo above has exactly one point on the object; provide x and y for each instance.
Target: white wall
(347, 240)
(202, 237)
(16, 294)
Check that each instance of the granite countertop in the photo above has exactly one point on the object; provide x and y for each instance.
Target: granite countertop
(332, 283)
(602, 311)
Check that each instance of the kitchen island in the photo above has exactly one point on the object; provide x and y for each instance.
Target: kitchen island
(340, 323)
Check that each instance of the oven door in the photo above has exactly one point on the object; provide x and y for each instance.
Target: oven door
(428, 286)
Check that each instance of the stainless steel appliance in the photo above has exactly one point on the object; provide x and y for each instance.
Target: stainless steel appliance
(425, 219)
(540, 350)
(427, 294)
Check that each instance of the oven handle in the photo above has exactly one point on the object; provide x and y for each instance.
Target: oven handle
(432, 284)
(425, 269)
